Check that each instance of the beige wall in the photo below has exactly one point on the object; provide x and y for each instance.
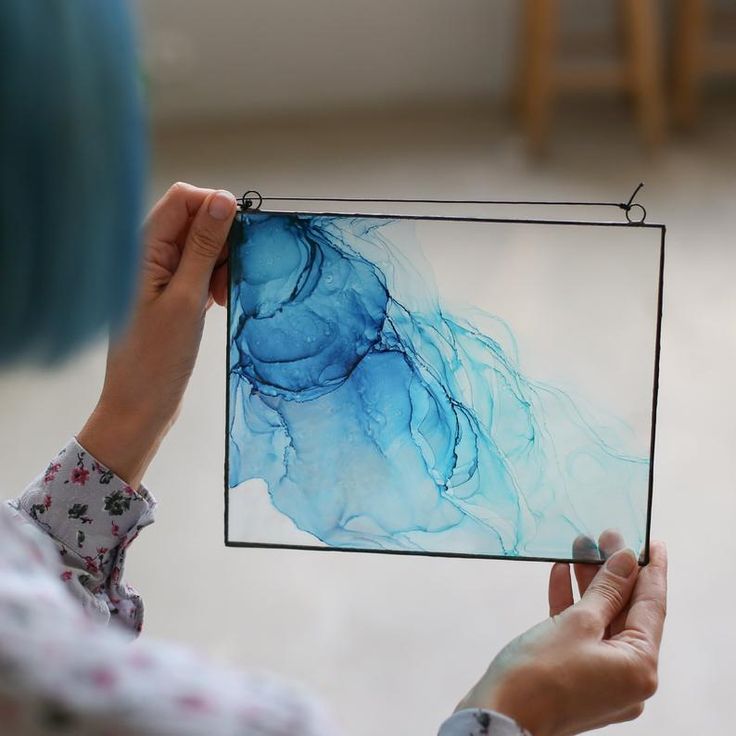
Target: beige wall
(221, 56)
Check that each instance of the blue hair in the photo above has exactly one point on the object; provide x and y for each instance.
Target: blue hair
(72, 160)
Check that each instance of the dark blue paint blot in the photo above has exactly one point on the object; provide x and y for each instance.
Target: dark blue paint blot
(379, 421)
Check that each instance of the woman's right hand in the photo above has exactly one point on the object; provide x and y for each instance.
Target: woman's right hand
(592, 663)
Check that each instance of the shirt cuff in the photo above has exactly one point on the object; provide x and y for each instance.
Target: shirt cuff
(86, 508)
(477, 722)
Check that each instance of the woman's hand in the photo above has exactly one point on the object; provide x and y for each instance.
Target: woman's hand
(149, 365)
(591, 663)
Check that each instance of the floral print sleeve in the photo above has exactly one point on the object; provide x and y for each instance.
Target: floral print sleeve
(477, 722)
(62, 671)
(92, 516)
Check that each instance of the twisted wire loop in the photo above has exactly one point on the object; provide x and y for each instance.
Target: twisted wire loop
(252, 200)
(627, 207)
(246, 200)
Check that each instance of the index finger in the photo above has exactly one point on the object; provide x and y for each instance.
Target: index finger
(648, 606)
(171, 215)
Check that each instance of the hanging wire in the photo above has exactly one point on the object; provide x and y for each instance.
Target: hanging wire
(253, 200)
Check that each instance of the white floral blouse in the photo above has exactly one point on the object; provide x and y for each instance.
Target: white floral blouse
(67, 665)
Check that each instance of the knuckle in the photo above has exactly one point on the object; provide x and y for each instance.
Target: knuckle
(608, 590)
(177, 189)
(647, 680)
(585, 620)
(205, 243)
(185, 300)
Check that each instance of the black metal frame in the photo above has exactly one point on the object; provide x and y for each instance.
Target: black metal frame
(247, 205)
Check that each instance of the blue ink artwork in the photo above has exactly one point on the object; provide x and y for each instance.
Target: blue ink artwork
(381, 397)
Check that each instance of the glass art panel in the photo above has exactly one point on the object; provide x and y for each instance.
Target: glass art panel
(440, 385)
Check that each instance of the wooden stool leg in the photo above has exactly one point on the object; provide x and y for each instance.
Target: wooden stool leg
(521, 72)
(689, 42)
(645, 67)
(539, 39)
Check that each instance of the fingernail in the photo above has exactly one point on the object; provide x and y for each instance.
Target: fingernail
(584, 548)
(622, 563)
(221, 205)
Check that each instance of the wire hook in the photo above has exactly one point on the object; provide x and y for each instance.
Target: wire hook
(630, 205)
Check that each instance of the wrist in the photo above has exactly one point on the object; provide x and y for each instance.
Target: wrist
(531, 708)
(124, 440)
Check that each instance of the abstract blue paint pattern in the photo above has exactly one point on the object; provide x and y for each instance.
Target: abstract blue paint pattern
(378, 420)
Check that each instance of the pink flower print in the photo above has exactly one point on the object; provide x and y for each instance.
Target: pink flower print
(115, 530)
(103, 678)
(79, 476)
(128, 490)
(51, 472)
(90, 565)
(129, 540)
(47, 501)
(140, 661)
(66, 576)
(193, 702)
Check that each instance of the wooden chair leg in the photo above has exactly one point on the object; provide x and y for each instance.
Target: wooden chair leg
(689, 49)
(644, 67)
(539, 47)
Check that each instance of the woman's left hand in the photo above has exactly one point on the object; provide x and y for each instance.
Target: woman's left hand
(149, 365)
(591, 663)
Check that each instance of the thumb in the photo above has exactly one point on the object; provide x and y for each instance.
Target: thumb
(611, 588)
(205, 242)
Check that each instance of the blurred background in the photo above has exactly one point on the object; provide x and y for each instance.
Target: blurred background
(565, 99)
